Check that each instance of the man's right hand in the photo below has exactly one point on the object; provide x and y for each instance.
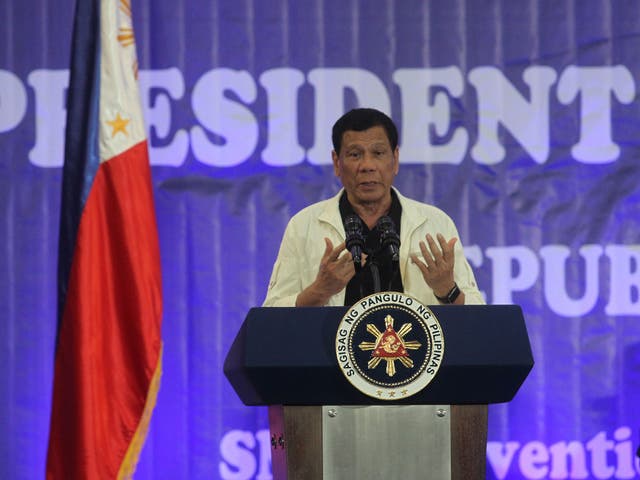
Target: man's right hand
(336, 269)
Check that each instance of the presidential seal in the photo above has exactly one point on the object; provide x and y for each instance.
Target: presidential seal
(389, 346)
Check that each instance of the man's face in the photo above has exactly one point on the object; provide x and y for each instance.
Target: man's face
(366, 164)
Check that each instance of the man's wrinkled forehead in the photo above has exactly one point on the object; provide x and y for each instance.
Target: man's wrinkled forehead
(375, 136)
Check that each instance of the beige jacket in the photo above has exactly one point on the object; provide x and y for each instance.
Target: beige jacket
(303, 245)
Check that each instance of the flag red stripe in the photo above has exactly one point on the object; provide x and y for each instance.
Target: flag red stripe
(110, 341)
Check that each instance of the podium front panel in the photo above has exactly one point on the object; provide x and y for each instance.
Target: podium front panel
(382, 442)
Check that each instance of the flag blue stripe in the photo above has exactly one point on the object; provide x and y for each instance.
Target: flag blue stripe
(81, 135)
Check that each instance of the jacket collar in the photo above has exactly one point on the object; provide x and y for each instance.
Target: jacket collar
(330, 213)
(414, 214)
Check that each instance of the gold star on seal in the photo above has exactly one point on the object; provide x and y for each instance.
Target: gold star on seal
(118, 124)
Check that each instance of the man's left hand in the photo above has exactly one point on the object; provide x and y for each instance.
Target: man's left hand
(437, 263)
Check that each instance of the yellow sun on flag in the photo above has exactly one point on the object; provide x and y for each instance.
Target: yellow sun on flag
(125, 7)
(125, 36)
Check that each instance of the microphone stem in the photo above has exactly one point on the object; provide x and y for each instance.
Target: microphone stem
(395, 269)
(375, 273)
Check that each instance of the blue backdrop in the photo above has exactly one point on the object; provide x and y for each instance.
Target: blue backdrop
(521, 119)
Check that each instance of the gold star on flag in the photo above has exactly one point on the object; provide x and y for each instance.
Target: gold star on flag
(119, 124)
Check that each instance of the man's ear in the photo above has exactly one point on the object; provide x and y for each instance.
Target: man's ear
(336, 163)
(396, 159)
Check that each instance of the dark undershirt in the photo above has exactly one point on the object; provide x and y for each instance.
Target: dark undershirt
(362, 284)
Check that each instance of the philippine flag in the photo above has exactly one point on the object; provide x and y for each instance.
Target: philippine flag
(109, 347)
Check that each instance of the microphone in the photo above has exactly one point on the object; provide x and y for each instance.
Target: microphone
(355, 239)
(389, 237)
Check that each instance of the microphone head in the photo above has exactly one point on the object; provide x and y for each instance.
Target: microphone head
(385, 224)
(354, 238)
(389, 238)
(353, 228)
(353, 223)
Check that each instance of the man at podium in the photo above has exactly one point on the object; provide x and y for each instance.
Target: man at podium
(369, 237)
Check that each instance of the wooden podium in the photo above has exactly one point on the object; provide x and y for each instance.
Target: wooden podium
(324, 428)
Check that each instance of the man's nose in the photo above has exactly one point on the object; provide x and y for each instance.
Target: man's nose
(368, 162)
